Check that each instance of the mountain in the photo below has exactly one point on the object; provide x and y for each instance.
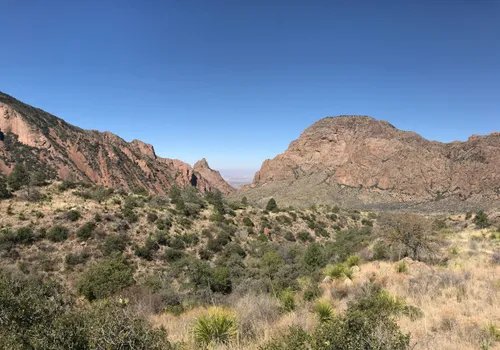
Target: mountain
(48, 144)
(357, 160)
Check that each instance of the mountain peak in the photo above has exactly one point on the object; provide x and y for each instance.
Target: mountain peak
(201, 164)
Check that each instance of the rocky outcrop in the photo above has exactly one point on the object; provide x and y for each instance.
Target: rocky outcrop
(49, 144)
(213, 177)
(364, 160)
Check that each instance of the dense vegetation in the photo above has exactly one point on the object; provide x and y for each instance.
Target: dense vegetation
(134, 259)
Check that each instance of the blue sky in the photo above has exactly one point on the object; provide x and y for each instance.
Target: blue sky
(237, 81)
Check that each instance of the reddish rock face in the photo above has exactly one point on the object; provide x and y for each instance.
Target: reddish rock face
(68, 152)
(372, 156)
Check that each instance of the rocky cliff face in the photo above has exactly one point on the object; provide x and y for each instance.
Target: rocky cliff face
(60, 150)
(365, 160)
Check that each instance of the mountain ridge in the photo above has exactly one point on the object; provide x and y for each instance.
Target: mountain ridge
(62, 150)
(384, 164)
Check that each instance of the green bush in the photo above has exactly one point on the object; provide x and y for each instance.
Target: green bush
(37, 314)
(57, 233)
(73, 259)
(220, 281)
(289, 236)
(353, 260)
(172, 255)
(105, 278)
(248, 222)
(338, 271)
(85, 232)
(272, 206)
(287, 299)
(73, 215)
(147, 250)
(481, 219)
(114, 244)
(305, 236)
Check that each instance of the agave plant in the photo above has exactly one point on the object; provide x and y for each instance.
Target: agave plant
(217, 326)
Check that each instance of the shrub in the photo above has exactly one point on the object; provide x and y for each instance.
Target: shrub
(73, 259)
(338, 271)
(73, 215)
(220, 281)
(105, 278)
(57, 233)
(402, 267)
(481, 219)
(147, 250)
(287, 299)
(18, 178)
(85, 232)
(114, 244)
(324, 311)
(353, 260)
(305, 236)
(248, 222)
(217, 327)
(172, 255)
(289, 236)
(152, 217)
(314, 257)
(25, 235)
(495, 258)
(410, 232)
(312, 291)
(272, 206)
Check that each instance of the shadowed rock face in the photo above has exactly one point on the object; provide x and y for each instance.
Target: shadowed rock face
(375, 162)
(47, 143)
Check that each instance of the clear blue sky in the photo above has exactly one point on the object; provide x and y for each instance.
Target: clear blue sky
(236, 81)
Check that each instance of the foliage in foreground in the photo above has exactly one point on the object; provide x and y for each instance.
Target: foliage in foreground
(369, 323)
(39, 315)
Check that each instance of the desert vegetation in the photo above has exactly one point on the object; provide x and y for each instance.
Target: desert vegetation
(86, 267)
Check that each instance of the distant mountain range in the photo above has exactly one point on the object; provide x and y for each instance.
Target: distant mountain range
(48, 144)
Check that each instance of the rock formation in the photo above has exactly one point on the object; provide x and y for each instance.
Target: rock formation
(357, 159)
(46, 143)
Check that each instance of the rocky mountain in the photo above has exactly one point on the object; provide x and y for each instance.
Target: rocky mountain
(359, 160)
(48, 144)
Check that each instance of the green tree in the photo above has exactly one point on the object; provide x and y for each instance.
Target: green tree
(18, 178)
(244, 201)
(272, 206)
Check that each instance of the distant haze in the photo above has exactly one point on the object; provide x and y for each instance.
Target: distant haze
(238, 177)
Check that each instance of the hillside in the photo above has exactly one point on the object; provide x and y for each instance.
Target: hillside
(48, 144)
(281, 279)
(360, 161)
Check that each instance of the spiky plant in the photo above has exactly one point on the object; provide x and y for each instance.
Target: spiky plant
(324, 311)
(217, 326)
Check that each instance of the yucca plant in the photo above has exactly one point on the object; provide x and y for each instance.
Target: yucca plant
(217, 326)
(325, 311)
(353, 260)
(338, 271)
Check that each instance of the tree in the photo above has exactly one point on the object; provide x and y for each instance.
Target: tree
(411, 234)
(481, 219)
(175, 194)
(272, 206)
(244, 201)
(4, 191)
(18, 178)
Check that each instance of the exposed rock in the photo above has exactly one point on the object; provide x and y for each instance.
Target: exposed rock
(49, 144)
(360, 160)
